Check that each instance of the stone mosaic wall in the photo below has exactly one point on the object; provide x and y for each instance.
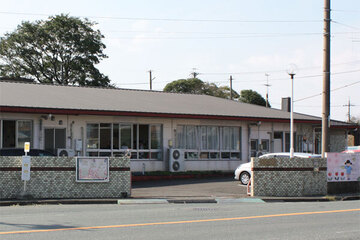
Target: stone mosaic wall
(338, 141)
(282, 177)
(55, 177)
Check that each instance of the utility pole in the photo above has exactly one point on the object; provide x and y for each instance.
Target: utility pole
(267, 89)
(349, 105)
(231, 87)
(326, 81)
(151, 79)
(194, 73)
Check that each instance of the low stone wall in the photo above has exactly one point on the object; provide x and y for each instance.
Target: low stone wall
(55, 177)
(284, 177)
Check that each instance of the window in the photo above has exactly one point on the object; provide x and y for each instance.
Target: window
(191, 137)
(155, 133)
(105, 136)
(287, 142)
(253, 147)
(209, 138)
(24, 132)
(265, 145)
(300, 143)
(112, 139)
(212, 138)
(230, 138)
(9, 134)
(180, 137)
(55, 138)
(116, 137)
(125, 136)
(15, 133)
(144, 137)
(210, 142)
(92, 136)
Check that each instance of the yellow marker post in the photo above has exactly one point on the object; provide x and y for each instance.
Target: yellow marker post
(26, 147)
(26, 162)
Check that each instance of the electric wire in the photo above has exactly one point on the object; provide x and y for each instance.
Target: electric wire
(172, 19)
(332, 90)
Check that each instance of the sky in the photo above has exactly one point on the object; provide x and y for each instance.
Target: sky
(218, 38)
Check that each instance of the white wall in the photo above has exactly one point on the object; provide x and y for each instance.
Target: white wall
(76, 127)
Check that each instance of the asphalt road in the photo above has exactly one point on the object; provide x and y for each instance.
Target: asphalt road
(311, 220)
(224, 187)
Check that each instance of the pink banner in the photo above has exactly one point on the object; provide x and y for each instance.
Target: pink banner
(343, 167)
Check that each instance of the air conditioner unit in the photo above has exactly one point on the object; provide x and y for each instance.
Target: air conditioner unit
(65, 152)
(176, 160)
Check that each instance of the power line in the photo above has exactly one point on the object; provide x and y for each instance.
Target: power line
(271, 35)
(343, 10)
(233, 34)
(173, 19)
(332, 90)
(282, 79)
(278, 79)
(346, 25)
(218, 33)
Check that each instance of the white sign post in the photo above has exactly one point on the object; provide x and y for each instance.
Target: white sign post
(25, 166)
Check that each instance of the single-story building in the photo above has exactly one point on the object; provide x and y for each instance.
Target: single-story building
(210, 133)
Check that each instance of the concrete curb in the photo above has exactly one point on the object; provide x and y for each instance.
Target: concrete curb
(56, 202)
(141, 201)
(130, 201)
(239, 200)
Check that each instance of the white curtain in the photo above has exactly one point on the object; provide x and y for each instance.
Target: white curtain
(191, 138)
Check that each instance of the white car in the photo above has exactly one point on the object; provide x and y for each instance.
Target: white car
(243, 171)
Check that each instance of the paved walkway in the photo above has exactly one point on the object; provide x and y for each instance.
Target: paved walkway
(225, 187)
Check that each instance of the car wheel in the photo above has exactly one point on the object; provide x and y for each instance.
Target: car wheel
(244, 178)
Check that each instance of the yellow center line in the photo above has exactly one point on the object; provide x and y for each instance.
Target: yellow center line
(179, 222)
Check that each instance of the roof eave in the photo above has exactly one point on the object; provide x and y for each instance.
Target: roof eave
(63, 111)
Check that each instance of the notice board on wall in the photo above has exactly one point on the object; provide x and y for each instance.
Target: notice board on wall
(343, 167)
(92, 169)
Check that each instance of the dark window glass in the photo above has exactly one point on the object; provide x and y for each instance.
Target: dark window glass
(287, 142)
(125, 136)
(60, 138)
(49, 140)
(9, 129)
(135, 137)
(143, 136)
(105, 136)
(116, 136)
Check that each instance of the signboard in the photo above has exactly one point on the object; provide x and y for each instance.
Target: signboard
(92, 169)
(25, 168)
(343, 167)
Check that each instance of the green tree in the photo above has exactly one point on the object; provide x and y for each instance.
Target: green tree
(61, 50)
(197, 86)
(253, 97)
(191, 85)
